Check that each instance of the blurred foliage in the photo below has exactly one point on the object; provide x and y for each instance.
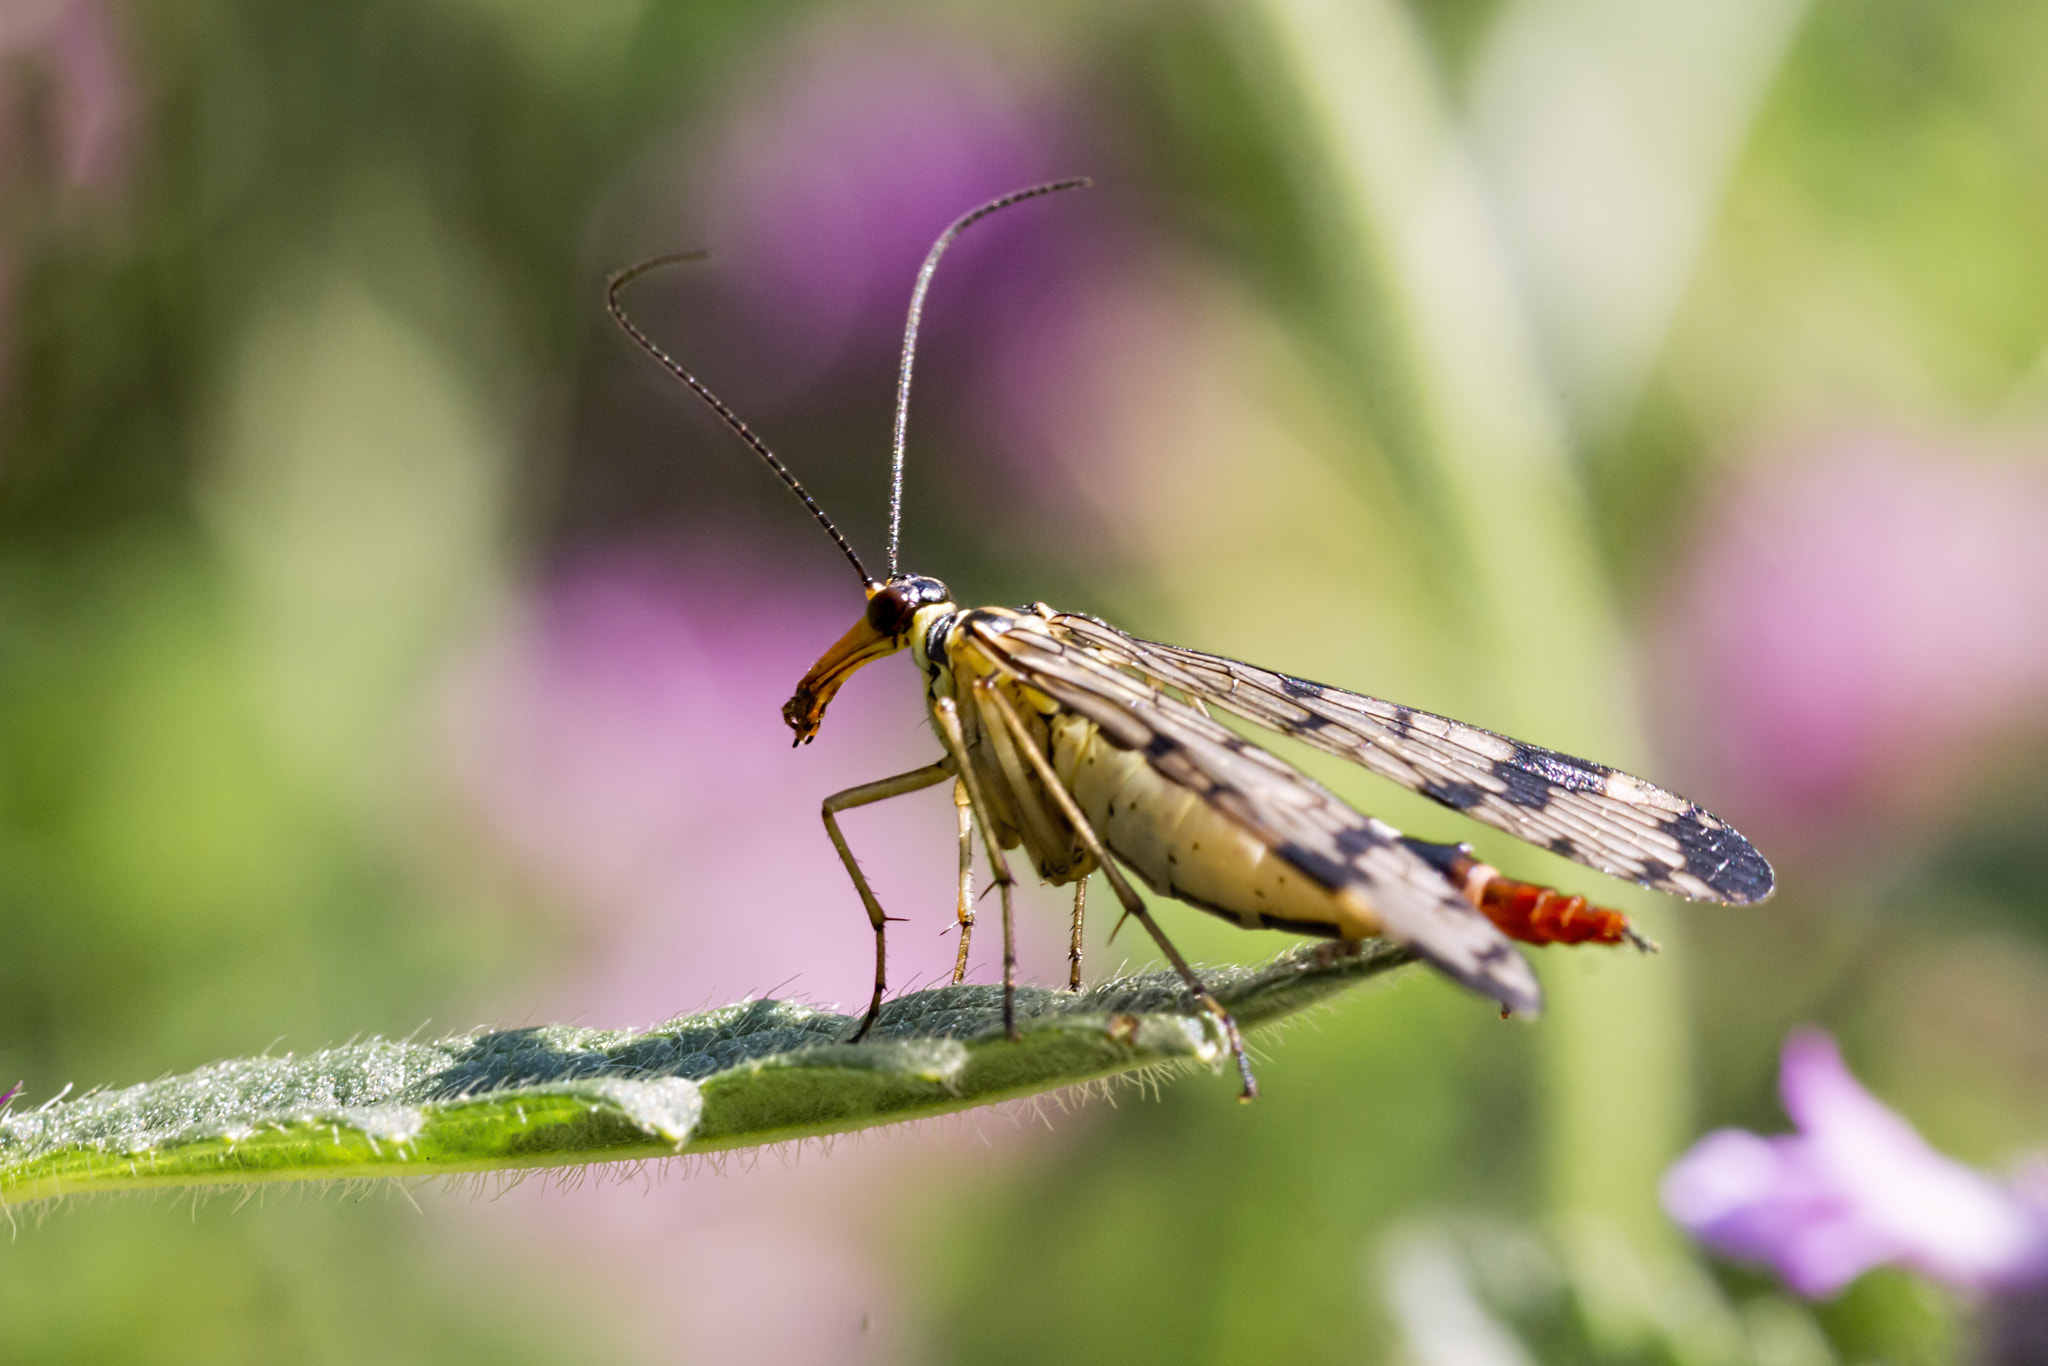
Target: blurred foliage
(164, 1282)
(1255, 1215)
(389, 220)
(172, 887)
(1875, 255)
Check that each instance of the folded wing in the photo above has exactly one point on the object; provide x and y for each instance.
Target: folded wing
(1304, 824)
(1595, 815)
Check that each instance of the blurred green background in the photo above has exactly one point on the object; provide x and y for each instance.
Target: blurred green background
(383, 640)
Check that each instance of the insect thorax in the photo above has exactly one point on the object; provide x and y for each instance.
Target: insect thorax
(928, 632)
(934, 635)
(961, 674)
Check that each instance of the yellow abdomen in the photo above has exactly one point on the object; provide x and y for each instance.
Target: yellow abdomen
(1184, 848)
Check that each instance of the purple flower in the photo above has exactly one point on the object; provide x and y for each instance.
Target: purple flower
(840, 164)
(66, 102)
(622, 747)
(91, 113)
(1855, 1188)
(619, 746)
(1857, 625)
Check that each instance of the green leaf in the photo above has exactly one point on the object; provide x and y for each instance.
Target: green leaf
(745, 1074)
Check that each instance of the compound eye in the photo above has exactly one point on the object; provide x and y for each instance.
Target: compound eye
(890, 610)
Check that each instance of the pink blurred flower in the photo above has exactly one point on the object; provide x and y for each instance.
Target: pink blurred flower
(93, 97)
(88, 124)
(1855, 1188)
(1108, 331)
(838, 169)
(1119, 395)
(624, 745)
(1857, 622)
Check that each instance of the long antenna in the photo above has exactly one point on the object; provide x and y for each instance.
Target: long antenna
(731, 419)
(924, 283)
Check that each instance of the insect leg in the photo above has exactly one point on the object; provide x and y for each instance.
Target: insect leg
(947, 714)
(1074, 946)
(914, 781)
(1133, 904)
(1030, 810)
(966, 911)
(1038, 823)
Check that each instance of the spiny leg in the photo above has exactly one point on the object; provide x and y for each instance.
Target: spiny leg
(1133, 904)
(914, 781)
(966, 911)
(1250, 1090)
(1074, 945)
(948, 716)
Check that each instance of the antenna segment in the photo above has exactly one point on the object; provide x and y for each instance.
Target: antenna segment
(924, 282)
(619, 281)
(730, 418)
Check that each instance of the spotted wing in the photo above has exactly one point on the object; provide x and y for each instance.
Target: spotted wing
(1301, 822)
(1587, 812)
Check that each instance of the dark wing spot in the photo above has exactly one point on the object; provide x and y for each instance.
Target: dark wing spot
(1491, 968)
(1497, 951)
(1565, 845)
(1457, 796)
(1403, 723)
(1300, 687)
(1522, 787)
(1358, 839)
(1313, 721)
(1161, 746)
(1508, 974)
(1442, 857)
(1580, 775)
(1327, 871)
(1721, 858)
